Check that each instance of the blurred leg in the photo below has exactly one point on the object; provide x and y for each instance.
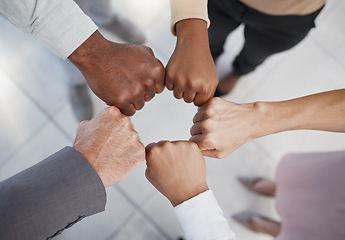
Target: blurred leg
(266, 35)
(100, 11)
(225, 16)
(102, 15)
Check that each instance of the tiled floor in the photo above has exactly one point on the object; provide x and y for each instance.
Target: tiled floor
(37, 119)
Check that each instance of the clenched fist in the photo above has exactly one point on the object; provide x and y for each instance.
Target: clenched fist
(176, 169)
(220, 127)
(110, 144)
(191, 72)
(122, 75)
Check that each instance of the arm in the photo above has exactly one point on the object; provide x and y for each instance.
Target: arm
(60, 25)
(220, 127)
(121, 75)
(178, 171)
(191, 72)
(44, 200)
(50, 196)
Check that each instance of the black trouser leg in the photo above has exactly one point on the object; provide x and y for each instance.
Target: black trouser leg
(225, 17)
(266, 35)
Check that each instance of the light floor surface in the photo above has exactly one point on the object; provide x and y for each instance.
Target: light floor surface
(37, 119)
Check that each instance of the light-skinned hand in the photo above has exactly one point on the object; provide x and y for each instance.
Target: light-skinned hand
(176, 169)
(110, 144)
(220, 127)
(122, 75)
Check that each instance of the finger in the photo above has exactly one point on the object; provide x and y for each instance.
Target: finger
(189, 96)
(168, 83)
(149, 146)
(202, 143)
(178, 92)
(196, 129)
(200, 99)
(210, 153)
(128, 110)
(149, 50)
(139, 103)
(149, 95)
(199, 116)
(160, 78)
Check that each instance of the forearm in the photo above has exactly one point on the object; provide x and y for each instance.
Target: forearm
(322, 111)
(192, 29)
(58, 24)
(50, 196)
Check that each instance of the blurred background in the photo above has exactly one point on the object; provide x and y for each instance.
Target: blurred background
(37, 119)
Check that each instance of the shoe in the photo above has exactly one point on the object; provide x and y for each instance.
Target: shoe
(123, 28)
(81, 101)
(250, 182)
(250, 220)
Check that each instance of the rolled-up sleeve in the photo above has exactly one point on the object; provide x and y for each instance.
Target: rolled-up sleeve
(60, 25)
(202, 219)
(187, 9)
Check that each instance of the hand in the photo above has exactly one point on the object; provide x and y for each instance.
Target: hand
(191, 72)
(220, 127)
(110, 144)
(121, 75)
(176, 169)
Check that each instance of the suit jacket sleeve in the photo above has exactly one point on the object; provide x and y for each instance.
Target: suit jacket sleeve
(41, 201)
(60, 25)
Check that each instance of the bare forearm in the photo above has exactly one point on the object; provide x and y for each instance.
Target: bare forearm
(323, 111)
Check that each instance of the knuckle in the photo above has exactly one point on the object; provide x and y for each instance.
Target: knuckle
(83, 123)
(113, 111)
(126, 121)
(207, 124)
(193, 84)
(149, 82)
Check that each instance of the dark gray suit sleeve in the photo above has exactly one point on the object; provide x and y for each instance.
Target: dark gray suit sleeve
(41, 201)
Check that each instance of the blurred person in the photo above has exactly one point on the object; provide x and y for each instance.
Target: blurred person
(270, 26)
(51, 196)
(309, 198)
(220, 126)
(178, 171)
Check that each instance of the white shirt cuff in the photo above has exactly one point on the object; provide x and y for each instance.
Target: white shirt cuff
(64, 29)
(202, 218)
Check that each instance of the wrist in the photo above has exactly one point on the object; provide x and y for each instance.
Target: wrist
(89, 158)
(272, 117)
(90, 52)
(192, 29)
(185, 195)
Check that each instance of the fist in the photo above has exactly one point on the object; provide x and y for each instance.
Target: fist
(176, 169)
(122, 75)
(220, 127)
(191, 73)
(110, 144)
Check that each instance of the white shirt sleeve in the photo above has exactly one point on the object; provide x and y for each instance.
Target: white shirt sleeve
(60, 25)
(202, 219)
